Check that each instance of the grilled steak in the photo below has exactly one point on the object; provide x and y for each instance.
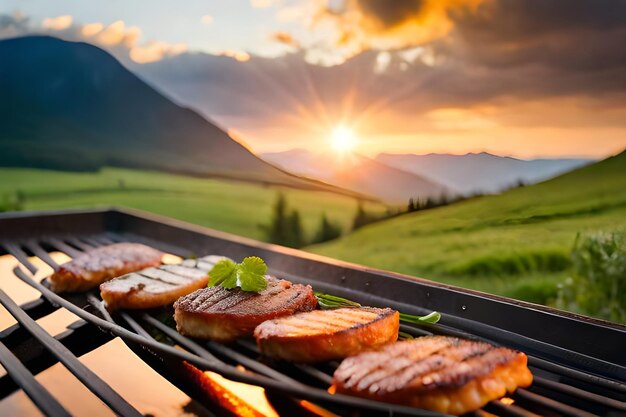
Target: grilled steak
(154, 287)
(323, 335)
(444, 374)
(225, 315)
(101, 264)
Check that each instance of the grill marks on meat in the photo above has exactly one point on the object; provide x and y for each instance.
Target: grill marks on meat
(323, 335)
(155, 287)
(439, 373)
(101, 264)
(225, 315)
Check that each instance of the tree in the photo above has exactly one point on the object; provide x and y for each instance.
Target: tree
(360, 218)
(412, 205)
(295, 235)
(327, 231)
(285, 227)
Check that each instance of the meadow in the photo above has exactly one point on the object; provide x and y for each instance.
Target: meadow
(517, 244)
(232, 206)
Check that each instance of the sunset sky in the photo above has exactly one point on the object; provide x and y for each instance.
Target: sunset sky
(513, 77)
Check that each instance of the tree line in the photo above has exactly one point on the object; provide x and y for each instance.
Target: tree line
(285, 227)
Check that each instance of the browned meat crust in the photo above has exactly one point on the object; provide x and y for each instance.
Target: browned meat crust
(444, 374)
(155, 287)
(101, 264)
(324, 335)
(225, 315)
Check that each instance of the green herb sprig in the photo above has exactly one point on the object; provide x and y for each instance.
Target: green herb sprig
(249, 275)
(328, 302)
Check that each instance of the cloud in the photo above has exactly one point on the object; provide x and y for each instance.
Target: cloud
(13, 25)
(577, 35)
(57, 23)
(262, 4)
(91, 29)
(240, 56)
(286, 39)
(117, 33)
(155, 51)
(123, 41)
(353, 26)
(207, 19)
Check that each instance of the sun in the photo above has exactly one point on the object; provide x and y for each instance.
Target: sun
(343, 140)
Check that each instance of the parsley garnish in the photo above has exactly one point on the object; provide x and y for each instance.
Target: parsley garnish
(249, 275)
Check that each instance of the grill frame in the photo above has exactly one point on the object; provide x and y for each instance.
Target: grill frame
(565, 338)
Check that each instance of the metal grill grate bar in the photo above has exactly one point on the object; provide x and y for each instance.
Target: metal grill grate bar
(20, 255)
(79, 243)
(65, 356)
(576, 374)
(63, 247)
(38, 251)
(37, 393)
(564, 409)
(579, 393)
(500, 409)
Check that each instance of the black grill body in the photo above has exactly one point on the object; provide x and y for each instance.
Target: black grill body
(579, 363)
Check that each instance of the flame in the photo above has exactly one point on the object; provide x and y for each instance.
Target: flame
(315, 409)
(228, 394)
(507, 401)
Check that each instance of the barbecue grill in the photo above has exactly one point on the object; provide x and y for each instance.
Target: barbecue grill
(579, 363)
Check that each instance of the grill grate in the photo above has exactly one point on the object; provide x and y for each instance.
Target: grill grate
(559, 389)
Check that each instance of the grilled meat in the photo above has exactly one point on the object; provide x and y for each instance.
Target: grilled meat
(225, 315)
(444, 374)
(154, 287)
(324, 335)
(101, 264)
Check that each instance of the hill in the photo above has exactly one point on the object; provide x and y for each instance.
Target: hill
(516, 243)
(232, 206)
(358, 173)
(72, 106)
(480, 172)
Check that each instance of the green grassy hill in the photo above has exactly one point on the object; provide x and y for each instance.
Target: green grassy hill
(232, 206)
(516, 243)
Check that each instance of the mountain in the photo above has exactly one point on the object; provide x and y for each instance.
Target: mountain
(72, 106)
(480, 172)
(358, 173)
(517, 243)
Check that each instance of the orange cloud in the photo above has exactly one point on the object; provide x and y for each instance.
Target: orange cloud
(122, 39)
(286, 39)
(155, 51)
(91, 29)
(117, 33)
(240, 56)
(57, 23)
(352, 26)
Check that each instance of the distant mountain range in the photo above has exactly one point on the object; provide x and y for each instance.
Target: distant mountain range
(358, 173)
(480, 172)
(72, 106)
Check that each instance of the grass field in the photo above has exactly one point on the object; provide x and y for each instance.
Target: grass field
(235, 207)
(516, 244)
